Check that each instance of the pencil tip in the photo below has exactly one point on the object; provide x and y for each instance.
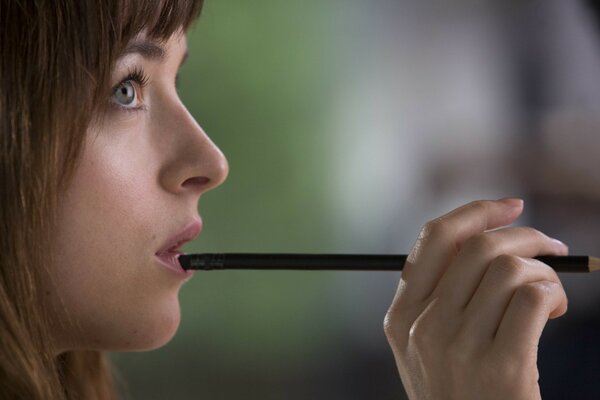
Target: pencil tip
(594, 264)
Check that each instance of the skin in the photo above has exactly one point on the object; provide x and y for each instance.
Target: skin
(471, 305)
(141, 175)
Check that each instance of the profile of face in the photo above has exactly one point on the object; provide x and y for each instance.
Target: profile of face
(113, 282)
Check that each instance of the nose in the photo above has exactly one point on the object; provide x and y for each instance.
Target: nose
(195, 164)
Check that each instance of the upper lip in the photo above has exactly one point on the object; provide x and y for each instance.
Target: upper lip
(187, 234)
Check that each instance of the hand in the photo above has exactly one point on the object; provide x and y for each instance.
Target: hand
(471, 305)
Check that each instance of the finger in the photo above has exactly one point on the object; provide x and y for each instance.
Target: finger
(439, 240)
(529, 309)
(506, 273)
(464, 275)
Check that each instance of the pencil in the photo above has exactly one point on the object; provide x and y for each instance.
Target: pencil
(344, 262)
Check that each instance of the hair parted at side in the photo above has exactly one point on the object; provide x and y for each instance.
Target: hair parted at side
(56, 57)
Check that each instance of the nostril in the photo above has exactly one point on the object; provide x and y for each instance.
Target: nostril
(196, 182)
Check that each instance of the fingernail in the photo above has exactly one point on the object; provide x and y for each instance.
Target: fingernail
(513, 202)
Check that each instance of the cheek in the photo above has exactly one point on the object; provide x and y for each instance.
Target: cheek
(107, 290)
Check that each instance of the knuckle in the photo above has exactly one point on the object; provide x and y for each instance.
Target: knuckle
(480, 206)
(396, 326)
(434, 229)
(508, 266)
(389, 325)
(480, 243)
(534, 233)
(532, 294)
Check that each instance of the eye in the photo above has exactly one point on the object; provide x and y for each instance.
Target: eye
(124, 94)
(128, 94)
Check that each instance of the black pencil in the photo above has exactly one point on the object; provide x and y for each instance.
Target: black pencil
(344, 262)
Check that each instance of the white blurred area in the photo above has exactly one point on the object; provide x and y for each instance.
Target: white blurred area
(431, 115)
(443, 102)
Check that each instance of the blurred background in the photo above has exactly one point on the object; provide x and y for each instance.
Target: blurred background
(347, 125)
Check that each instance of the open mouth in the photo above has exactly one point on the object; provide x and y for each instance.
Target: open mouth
(170, 252)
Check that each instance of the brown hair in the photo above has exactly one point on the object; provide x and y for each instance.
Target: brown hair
(55, 62)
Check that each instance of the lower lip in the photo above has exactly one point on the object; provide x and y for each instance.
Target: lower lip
(170, 261)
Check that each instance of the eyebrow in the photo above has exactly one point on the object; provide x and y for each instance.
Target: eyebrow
(146, 49)
(150, 51)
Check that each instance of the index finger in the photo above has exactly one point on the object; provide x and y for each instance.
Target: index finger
(439, 241)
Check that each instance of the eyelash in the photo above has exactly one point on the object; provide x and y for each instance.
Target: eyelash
(140, 79)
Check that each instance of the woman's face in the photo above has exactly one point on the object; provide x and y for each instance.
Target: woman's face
(133, 200)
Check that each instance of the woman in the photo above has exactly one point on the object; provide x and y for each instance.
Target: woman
(91, 123)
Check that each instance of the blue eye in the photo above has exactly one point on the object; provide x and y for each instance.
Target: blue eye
(127, 95)
(124, 94)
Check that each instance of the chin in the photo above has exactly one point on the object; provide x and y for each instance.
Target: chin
(157, 332)
(149, 329)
